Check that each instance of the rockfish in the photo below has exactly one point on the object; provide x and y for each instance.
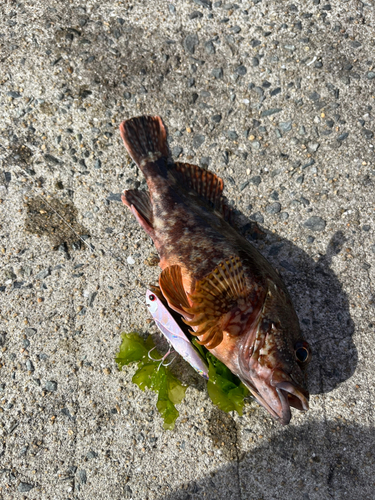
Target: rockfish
(223, 288)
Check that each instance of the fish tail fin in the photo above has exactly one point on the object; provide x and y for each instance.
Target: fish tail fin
(145, 139)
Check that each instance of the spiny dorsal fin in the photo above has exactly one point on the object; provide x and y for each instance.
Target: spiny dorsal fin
(207, 184)
(170, 281)
(216, 302)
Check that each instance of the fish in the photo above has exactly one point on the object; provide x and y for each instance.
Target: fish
(224, 290)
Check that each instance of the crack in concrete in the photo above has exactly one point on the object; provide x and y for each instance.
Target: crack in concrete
(367, 380)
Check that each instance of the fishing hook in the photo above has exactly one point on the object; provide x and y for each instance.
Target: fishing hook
(170, 351)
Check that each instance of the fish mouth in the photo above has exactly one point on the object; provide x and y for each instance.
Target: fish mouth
(295, 397)
(279, 398)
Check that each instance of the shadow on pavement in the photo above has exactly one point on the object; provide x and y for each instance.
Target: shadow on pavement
(315, 461)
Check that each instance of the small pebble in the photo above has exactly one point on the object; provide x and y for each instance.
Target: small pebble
(315, 223)
(43, 274)
(286, 126)
(343, 136)
(275, 91)
(29, 365)
(25, 487)
(284, 216)
(198, 140)
(82, 476)
(195, 15)
(269, 112)
(216, 118)
(205, 161)
(256, 180)
(30, 331)
(241, 70)
(204, 3)
(274, 208)
(300, 179)
(217, 73)
(313, 147)
(257, 217)
(209, 47)
(190, 42)
(244, 185)
(274, 195)
(51, 386)
(176, 151)
(314, 96)
(232, 135)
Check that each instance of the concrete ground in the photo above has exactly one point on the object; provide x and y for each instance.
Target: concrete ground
(276, 97)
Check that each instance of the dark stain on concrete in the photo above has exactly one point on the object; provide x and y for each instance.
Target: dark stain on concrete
(52, 218)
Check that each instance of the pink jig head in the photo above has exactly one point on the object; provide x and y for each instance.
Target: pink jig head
(173, 333)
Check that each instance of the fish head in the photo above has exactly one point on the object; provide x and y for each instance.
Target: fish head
(272, 363)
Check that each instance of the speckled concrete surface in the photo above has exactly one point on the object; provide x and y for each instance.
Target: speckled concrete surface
(276, 97)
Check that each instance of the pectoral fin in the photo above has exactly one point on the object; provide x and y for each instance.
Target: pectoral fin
(219, 303)
(170, 282)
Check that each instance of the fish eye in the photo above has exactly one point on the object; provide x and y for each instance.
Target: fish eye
(302, 352)
(152, 297)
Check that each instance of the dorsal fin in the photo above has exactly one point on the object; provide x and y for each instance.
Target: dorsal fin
(170, 282)
(207, 184)
(219, 303)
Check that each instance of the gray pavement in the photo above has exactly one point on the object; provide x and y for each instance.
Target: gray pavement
(278, 98)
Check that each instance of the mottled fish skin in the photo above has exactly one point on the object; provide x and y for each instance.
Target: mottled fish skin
(214, 277)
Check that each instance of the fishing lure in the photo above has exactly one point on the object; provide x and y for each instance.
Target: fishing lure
(173, 333)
